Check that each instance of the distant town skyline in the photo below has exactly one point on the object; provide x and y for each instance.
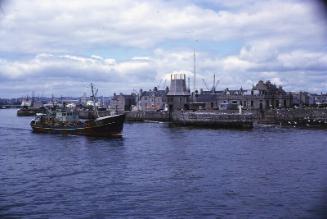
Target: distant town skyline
(59, 47)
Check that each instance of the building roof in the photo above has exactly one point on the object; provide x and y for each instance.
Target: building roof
(154, 93)
(268, 88)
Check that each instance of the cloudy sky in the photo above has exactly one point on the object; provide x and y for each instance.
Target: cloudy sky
(59, 47)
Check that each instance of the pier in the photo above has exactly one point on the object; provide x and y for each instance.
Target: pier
(213, 119)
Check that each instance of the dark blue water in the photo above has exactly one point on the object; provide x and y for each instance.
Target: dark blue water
(156, 171)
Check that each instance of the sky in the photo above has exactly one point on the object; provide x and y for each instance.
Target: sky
(59, 47)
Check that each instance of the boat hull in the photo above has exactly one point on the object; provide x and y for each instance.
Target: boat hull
(29, 111)
(110, 126)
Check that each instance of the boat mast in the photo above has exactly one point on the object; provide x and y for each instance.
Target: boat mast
(94, 99)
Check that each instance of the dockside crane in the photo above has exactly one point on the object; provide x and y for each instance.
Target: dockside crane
(163, 84)
(205, 84)
(214, 84)
(158, 86)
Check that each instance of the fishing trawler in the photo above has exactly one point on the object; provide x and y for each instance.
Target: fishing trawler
(65, 120)
(29, 107)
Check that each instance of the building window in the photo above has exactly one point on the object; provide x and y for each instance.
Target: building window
(277, 103)
(251, 102)
(285, 103)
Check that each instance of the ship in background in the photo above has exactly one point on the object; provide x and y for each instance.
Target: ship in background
(65, 120)
(30, 106)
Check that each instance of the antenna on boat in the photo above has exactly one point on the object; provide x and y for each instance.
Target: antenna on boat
(94, 99)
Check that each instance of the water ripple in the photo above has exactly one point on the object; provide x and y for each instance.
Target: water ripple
(158, 171)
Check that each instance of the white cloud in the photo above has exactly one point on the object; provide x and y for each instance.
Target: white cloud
(62, 73)
(278, 40)
(236, 64)
(304, 60)
(48, 26)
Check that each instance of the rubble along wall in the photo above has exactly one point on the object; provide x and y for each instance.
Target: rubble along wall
(307, 117)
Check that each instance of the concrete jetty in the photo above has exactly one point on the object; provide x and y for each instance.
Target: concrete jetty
(213, 119)
(147, 115)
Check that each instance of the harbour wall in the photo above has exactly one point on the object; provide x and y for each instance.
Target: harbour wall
(147, 115)
(214, 119)
(300, 117)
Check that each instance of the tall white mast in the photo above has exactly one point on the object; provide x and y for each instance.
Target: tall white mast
(194, 71)
(214, 83)
(189, 83)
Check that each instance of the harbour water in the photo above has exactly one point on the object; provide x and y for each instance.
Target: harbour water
(157, 171)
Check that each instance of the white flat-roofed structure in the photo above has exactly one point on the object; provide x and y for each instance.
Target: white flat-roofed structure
(178, 95)
(178, 85)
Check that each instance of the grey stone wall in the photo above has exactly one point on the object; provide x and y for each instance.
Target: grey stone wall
(147, 115)
(301, 117)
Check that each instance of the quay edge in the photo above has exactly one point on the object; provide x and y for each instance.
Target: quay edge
(307, 118)
(196, 118)
(213, 119)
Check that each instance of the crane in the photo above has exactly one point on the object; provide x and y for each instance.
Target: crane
(215, 83)
(165, 83)
(159, 84)
(205, 84)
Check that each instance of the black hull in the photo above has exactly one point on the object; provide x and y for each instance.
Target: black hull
(29, 112)
(110, 126)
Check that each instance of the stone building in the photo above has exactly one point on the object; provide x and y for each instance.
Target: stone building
(123, 102)
(302, 99)
(205, 100)
(320, 99)
(264, 95)
(178, 96)
(152, 100)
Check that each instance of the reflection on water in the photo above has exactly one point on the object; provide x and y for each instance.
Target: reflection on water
(159, 171)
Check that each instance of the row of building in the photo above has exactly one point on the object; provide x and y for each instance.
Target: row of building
(262, 96)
